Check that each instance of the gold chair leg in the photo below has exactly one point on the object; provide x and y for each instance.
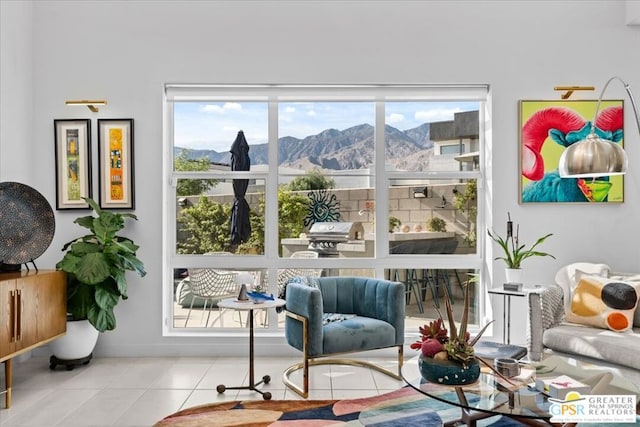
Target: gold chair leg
(310, 361)
(304, 391)
(307, 362)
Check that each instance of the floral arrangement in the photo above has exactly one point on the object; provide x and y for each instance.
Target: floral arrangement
(456, 343)
(514, 252)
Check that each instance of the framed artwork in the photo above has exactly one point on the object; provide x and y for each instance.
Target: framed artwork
(73, 163)
(115, 161)
(546, 128)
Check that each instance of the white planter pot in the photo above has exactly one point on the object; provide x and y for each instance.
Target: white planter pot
(514, 275)
(79, 341)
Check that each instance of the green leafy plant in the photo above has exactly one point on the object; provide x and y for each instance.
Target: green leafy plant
(312, 180)
(466, 204)
(192, 187)
(393, 223)
(292, 209)
(437, 224)
(204, 227)
(514, 252)
(96, 266)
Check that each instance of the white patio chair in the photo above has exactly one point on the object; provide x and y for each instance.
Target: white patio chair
(288, 273)
(211, 285)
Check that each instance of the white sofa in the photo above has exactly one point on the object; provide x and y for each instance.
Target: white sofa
(549, 332)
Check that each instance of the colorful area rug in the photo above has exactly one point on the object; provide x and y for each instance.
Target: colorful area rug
(401, 408)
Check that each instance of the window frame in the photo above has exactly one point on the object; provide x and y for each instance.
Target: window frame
(270, 261)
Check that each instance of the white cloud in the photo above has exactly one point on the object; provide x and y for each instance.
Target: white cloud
(290, 110)
(232, 106)
(394, 118)
(311, 113)
(436, 115)
(217, 109)
(209, 108)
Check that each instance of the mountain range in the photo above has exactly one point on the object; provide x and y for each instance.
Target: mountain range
(352, 148)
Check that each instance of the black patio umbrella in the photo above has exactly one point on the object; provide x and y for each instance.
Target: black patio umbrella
(240, 224)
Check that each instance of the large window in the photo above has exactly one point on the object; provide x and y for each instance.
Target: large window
(399, 168)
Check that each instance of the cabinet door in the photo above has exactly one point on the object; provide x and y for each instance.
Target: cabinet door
(33, 309)
(51, 315)
(7, 339)
(27, 331)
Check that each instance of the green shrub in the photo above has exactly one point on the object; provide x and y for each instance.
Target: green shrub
(466, 204)
(393, 223)
(206, 225)
(192, 187)
(437, 224)
(312, 180)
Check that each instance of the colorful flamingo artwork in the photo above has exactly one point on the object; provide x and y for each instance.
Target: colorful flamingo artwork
(564, 125)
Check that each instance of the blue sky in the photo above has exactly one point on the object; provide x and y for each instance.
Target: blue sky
(214, 125)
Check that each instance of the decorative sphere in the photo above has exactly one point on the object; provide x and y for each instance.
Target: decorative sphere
(431, 346)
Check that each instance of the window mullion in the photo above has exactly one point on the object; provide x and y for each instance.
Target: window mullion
(271, 240)
(382, 188)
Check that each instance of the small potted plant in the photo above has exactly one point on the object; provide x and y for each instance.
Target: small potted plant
(96, 265)
(515, 252)
(394, 223)
(437, 224)
(447, 355)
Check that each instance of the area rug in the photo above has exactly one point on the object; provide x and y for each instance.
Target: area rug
(401, 408)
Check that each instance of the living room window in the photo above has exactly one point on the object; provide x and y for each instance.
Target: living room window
(369, 157)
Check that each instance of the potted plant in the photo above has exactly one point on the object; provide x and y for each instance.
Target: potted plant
(394, 223)
(514, 252)
(447, 355)
(437, 224)
(96, 265)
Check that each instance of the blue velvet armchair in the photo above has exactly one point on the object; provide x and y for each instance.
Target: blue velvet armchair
(328, 316)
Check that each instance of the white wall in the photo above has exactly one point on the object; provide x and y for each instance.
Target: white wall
(633, 12)
(16, 94)
(126, 51)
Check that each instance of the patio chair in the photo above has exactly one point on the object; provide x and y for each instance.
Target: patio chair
(287, 274)
(329, 316)
(211, 286)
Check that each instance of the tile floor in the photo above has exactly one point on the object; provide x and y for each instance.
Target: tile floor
(137, 392)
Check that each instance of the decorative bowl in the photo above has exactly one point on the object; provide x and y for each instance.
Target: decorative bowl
(28, 225)
(448, 372)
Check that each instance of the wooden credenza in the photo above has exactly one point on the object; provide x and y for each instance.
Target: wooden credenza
(33, 311)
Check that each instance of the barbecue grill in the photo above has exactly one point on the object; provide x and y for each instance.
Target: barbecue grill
(325, 236)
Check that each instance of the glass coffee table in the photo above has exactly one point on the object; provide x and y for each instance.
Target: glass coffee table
(491, 395)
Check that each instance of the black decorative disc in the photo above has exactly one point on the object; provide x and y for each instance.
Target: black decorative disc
(27, 223)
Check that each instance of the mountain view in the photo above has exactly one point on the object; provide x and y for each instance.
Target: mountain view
(351, 148)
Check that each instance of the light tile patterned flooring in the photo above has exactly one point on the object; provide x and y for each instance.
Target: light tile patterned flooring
(136, 392)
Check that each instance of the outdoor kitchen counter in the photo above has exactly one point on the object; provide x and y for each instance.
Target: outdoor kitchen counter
(365, 248)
